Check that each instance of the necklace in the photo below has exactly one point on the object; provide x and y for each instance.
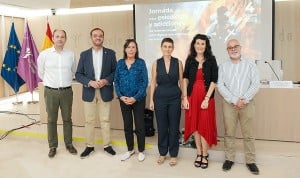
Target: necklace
(200, 60)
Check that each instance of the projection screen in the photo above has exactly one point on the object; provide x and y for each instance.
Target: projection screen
(249, 21)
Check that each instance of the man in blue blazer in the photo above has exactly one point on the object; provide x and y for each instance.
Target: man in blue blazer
(96, 69)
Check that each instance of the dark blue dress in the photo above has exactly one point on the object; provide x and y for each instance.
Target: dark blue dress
(167, 106)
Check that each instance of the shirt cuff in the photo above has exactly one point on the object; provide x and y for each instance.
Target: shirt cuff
(234, 100)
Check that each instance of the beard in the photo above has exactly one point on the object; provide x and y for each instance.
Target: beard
(98, 43)
(235, 56)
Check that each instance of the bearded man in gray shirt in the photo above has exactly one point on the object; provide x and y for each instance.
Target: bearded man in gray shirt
(238, 83)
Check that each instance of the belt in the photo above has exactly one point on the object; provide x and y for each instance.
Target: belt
(59, 88)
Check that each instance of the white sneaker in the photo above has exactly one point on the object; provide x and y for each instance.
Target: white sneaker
(141, 156)
(127, 155)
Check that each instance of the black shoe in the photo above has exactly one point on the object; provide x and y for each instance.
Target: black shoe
(253, 168)
(110, 150)
(71, 149)
(52, 152)
(227, 165)
(197, 162)
(87, 152)
(204, 165)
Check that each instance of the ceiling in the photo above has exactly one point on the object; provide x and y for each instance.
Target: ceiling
(38, 4)
(55, 4)
(89, 3)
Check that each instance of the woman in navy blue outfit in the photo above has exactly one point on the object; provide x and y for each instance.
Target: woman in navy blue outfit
(165, 100)
(131, 81)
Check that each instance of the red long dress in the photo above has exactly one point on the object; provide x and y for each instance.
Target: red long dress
(197, 119)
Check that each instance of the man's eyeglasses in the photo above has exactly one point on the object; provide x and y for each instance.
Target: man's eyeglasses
(233, 47)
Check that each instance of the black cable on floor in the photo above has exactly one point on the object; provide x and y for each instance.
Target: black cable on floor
(21, 127)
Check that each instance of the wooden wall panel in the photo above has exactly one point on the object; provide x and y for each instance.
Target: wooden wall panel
(287, 38)
(117, 27)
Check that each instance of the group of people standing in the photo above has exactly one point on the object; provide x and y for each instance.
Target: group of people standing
(172, 88)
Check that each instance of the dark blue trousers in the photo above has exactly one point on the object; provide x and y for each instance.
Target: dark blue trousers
(168, 120)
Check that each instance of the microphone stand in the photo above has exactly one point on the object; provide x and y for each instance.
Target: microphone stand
(272, 69)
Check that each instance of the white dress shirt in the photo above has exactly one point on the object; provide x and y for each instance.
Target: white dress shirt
(97, 62)
(56, 69)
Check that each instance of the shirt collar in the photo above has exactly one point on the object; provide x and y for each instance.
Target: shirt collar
(52, 49)
(101, 50)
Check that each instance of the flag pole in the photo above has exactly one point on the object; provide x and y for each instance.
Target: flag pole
(17, 102)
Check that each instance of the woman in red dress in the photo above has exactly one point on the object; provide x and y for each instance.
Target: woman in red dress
(200, 79)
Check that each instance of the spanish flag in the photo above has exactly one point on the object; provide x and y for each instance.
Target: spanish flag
(47, 43)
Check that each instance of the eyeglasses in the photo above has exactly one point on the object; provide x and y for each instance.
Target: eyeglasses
(233, 47)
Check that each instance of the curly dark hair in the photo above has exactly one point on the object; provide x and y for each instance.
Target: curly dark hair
(207, 53)
(127, 42)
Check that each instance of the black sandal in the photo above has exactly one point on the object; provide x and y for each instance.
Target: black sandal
(198, 163)
(204, 165)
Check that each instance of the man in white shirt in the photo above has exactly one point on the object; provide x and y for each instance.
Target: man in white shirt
(56, 67)
(238, 83)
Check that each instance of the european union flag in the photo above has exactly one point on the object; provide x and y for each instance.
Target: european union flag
(10, 62)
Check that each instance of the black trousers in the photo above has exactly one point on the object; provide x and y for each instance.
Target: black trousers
(168, 120)
(134, 113)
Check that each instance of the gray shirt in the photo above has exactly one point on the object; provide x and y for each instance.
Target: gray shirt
(238, 80)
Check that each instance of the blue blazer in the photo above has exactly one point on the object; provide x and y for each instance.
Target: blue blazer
(85, 73)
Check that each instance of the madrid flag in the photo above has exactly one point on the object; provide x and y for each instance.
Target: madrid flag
(27, 67)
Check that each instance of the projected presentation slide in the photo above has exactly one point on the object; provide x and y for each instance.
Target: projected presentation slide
(249, 21)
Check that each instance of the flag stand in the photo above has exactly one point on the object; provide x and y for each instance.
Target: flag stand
(32, 101)
(17, 102)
